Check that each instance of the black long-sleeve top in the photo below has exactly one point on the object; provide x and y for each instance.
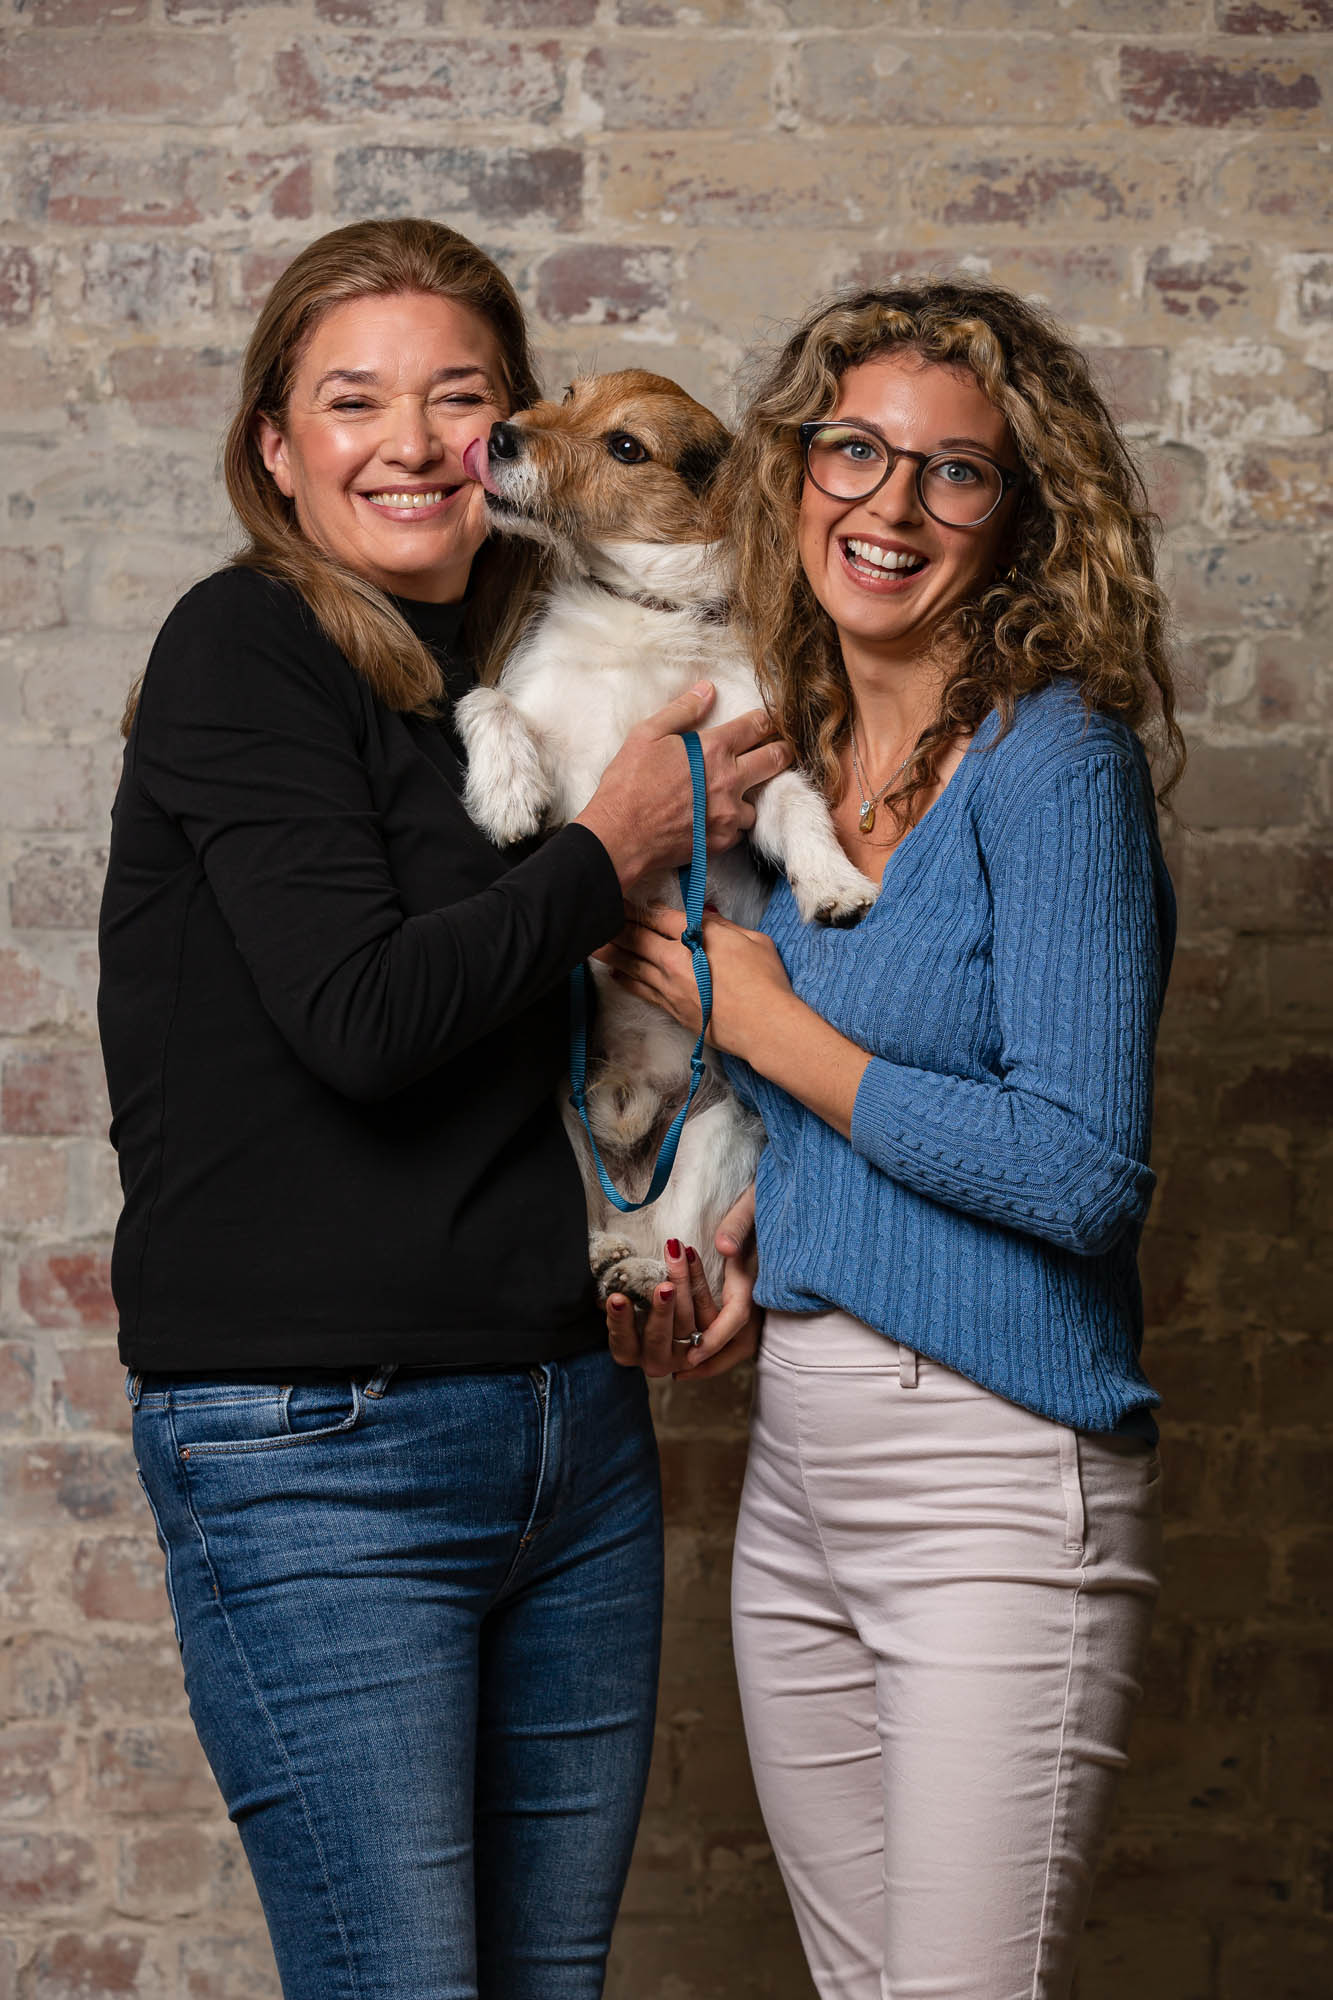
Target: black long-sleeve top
(334, 1019)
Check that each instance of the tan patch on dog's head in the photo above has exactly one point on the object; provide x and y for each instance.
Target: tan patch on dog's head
(625, 457)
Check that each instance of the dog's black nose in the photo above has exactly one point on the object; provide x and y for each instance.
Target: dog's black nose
(506, 441)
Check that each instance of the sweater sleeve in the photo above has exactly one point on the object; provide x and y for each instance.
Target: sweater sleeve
(1056, 1145)
(743, 1081)
(247, 737)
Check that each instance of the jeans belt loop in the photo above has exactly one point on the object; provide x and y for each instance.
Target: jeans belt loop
(133, 1388)
(906, 1367)
(378, 1384)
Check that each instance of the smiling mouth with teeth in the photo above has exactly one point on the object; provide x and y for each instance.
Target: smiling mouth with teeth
(872, 560)
(431, 499)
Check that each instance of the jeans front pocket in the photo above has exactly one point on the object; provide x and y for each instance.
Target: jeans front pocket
(246, 1420)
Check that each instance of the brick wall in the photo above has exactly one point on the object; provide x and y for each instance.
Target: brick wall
(663, 182)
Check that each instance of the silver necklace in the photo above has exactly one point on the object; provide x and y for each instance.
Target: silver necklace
(870, 800)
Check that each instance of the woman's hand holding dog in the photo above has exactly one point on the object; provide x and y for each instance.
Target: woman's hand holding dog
(755, 1013)
(749, 979)
(657, 1341)
(643, 811)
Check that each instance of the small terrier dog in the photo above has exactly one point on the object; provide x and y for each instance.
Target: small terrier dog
(613, 481)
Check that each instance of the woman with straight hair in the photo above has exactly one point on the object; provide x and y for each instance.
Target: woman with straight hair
(408, 1502)
(947, 1552)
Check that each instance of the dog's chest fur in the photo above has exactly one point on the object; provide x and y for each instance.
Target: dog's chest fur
(598, 662)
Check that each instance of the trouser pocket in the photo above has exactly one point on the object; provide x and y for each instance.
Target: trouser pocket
(1071, 1481)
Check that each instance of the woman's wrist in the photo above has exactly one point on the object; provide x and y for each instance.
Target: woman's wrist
(623, 844)
(762, 1033)
(805, 1055)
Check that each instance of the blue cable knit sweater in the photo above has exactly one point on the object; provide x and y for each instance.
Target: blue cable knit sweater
(1007, 983)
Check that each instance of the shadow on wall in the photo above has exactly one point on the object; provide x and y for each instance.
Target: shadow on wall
(1216, 1880)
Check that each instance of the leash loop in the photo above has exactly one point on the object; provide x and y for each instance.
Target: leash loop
(693, 883)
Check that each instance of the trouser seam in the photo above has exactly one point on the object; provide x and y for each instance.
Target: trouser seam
(165, 1547)
(266, 1712)
(1058, 1788)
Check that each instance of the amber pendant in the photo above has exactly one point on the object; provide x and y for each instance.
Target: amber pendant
(867, 820)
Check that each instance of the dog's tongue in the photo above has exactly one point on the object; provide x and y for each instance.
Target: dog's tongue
(476, 466)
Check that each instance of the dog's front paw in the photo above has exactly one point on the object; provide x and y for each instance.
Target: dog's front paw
(507, 791)
(838, 897)
(511, 819)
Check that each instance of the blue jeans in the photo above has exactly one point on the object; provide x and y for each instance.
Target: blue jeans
(420, 1619)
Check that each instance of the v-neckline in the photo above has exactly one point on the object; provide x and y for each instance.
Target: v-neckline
(952, 783)
(982, 737)
(916, 826)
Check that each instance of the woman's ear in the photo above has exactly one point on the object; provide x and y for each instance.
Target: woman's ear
(273, 450)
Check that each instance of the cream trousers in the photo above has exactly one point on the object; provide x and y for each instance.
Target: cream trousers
(941, 1604)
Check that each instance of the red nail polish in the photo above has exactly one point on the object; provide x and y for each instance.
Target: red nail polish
(666, 1293)
(673, 1247)
(691, 1254)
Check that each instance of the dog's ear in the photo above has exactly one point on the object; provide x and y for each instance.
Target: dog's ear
(700, 460)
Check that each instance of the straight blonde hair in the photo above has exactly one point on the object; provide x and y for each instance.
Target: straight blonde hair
(373, 259)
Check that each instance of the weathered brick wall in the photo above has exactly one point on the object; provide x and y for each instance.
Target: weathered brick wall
(663, 181)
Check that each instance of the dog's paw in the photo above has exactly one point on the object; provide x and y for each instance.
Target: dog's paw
(618, 1267)
(622, 1109)
(839, 900)
(511, 817)
(637, 1278)
(506, 792)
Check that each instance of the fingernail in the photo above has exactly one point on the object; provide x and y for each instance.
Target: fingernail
(713, 907)
(702, 687)
(673, 1247)
(666, 1293)
(691, 1254)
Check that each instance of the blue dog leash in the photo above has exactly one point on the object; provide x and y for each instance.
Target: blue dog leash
(692, 888)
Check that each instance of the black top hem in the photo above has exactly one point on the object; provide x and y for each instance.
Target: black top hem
(262, 1354)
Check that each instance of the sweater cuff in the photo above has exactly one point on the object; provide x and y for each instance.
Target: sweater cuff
(912, 1125)
(874, 1116)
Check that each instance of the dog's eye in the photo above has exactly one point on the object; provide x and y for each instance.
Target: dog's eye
(626, 448)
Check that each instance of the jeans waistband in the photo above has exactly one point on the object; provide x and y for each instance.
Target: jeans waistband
(374, 1380)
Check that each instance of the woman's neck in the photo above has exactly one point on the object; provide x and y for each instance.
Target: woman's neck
(892, 702)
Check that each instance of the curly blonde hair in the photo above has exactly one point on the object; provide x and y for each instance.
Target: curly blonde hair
(1078, 595)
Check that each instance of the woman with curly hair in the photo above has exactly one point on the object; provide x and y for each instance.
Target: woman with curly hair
(946, 1559)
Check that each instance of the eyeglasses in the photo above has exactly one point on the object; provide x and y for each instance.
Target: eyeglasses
(961, 489)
